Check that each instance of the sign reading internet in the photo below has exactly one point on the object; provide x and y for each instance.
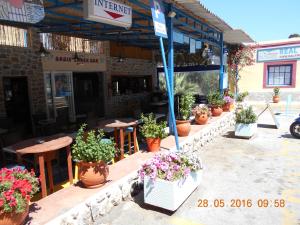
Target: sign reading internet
(24, 11)
(275, 54)
(108, 11)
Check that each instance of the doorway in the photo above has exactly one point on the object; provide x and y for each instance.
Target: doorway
(88, 93)
(16, 100)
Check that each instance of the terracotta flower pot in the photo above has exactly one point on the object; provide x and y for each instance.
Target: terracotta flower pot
(153, 144)
(13, 218)
(226, 107)
(183, 127)
(276, 99)
(201, 119)
(216, 110)
(93, 175)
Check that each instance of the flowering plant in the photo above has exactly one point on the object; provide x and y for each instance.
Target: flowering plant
(200, 110)
(228, 100)
(170, 166)
(17, 186)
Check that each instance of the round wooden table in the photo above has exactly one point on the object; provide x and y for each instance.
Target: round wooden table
(44, 149)
(121, 124)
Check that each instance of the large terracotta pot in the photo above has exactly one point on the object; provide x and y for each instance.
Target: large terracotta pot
(183, 127)
(153, 144)
(13, 218)
(201, 119)
(93, 175)
(216, 110)
(226, 107)
(276, 99)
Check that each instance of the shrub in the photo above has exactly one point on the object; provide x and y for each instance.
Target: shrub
(200, 110)
(152, 129)
(92, 148)
(245, 116)
(17, 186)
(186, 103)
(215, 99)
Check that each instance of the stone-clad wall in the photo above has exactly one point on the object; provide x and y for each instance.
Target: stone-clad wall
(26, 62)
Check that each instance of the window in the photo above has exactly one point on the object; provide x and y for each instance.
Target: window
(13, 36)
(124, 85)
(280, 75)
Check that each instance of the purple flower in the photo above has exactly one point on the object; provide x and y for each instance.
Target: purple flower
(176, 167)
(228, 99)
(186, 171)
(169, 175)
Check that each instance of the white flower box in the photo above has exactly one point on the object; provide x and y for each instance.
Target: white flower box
(170, 194)
(245, 130)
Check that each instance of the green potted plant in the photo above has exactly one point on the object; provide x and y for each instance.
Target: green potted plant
(183, 124)
(92, 152)
(153, 131)
(202, 114)
(276, 97)
(216, 102)
(17, 186)
(241, 96)
(245, 123)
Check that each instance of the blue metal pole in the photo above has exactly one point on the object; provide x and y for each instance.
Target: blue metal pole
(171, 106)
(171, 63)
(221, 78)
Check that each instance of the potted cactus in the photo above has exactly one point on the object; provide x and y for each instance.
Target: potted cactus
(276, 97)
(183, 124)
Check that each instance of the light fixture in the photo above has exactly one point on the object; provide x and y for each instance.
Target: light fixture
(42, 51)
(171, 14)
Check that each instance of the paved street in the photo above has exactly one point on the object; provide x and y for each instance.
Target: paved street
(240, 172)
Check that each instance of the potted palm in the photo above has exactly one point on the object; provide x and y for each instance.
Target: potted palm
(202, 114)
(216, 102)
(276, 97)
(92, 152)
(245, 123)
(153, 132)
(17, 186)
(183, 124)
(170, 178)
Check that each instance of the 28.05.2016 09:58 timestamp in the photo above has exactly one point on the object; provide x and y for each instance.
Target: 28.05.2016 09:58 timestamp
(242, 203)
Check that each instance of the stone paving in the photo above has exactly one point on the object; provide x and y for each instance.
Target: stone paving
(258, 179)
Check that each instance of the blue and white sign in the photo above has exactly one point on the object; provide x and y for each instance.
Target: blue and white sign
(277, 54)
(158, 16)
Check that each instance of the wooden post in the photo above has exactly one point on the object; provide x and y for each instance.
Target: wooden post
(42, 175)
(122, 142)
(69, 160)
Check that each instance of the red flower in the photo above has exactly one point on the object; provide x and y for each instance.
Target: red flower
(1, 202)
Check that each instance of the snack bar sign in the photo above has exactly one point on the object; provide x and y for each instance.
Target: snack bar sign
(274, 54)
(109, 12)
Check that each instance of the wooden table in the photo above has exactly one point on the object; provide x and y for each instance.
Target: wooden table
(121, 124)
(44, 148)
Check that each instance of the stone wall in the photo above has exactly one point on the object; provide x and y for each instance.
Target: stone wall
(92, 209)
(25, 62)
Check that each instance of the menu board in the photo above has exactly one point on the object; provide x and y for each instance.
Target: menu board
(24, 11)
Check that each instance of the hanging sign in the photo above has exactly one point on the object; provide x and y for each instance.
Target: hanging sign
(24, 11)
(108, 11)
(158, 16)
(274, 54)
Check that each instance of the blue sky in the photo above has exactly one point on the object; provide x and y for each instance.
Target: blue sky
(263, 20)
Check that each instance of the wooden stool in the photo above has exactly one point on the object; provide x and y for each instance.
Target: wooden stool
(129, 131)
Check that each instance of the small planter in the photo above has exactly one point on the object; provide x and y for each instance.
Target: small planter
(93, 175)
(201, 119)
(227, 107)
(153, 144)
(245, 130)
(183, 127)
(170, 194)
(276, 99)
(216, 111)
(13, 218)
